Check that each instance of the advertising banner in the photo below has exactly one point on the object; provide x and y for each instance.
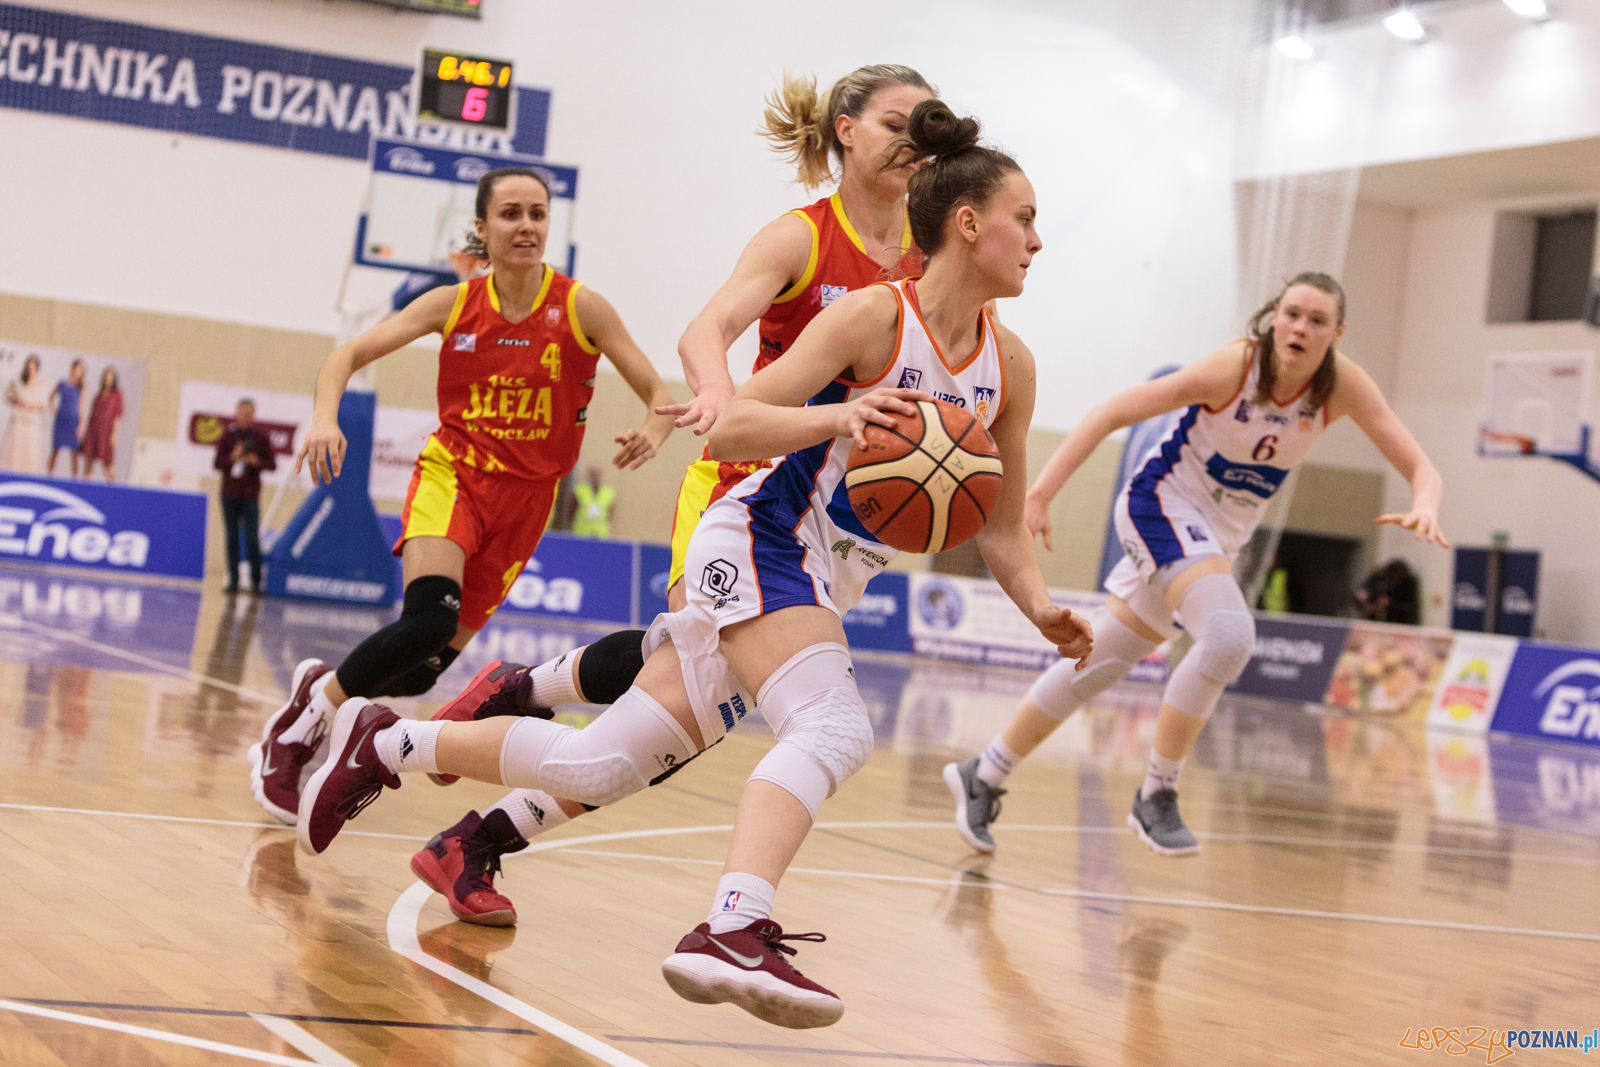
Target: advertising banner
(1473, 677)
(205, 412)
(577, 578)
(1552, 692)
(655, 566)
(1388, 670)
(1293, 658)
(1519, 593)
(1470, 592)
(878, 621)
(103, 527)
(973, 620)
(29, 416)
(122, 72)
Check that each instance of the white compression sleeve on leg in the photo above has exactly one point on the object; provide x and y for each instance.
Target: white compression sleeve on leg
(1215, 614)
(824, 734)
(621, 752)
(1063, 689)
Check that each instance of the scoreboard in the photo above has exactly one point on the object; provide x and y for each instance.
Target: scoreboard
(466, 90)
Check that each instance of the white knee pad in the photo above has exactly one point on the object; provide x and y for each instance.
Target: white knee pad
(1215, 614)
(824, 734)
(634, 743)
(1063, 689)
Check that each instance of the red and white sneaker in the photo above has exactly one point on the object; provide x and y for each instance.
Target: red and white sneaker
(499, 689)
(350, 778)
(461, 863)
(275, 767)
(746, 967)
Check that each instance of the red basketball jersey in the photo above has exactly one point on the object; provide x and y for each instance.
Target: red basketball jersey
(838, 264)
(513, 397)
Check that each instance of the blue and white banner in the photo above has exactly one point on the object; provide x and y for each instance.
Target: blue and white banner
(878, 622)
(1552, 693)
(577, 578)
(1293, 658)
(123, 72)
(103, 527)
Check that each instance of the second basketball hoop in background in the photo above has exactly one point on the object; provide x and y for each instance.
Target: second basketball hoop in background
(930, 483)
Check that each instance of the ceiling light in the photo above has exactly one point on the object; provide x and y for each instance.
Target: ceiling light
(1404, 25)
(1532, 10)
(1295, 48)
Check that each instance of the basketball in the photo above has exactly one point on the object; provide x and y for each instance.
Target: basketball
(929, 483)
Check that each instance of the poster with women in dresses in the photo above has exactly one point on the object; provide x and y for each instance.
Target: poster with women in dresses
(50, 396)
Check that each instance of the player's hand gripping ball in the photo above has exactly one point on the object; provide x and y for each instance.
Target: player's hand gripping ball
(929, 483)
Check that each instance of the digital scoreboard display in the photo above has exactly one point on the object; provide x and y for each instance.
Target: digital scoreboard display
(467, 9)
(466, 90)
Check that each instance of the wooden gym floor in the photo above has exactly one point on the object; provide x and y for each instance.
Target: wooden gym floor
(1359, 880)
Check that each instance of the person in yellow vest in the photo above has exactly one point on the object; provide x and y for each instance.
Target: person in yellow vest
(593, 515)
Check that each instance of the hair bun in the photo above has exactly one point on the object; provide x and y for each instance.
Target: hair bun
(935, 130)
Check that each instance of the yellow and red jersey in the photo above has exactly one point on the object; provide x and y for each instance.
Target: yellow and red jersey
(513, 396)
(837, 265)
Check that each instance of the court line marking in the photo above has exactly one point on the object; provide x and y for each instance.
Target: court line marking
(153, 1035)
(792, 870)
(627, 835)
(8, 619)
(834, 1052)
(1304, 913)
(300, 1038)
(403, 1024)
(192, 819)
(402, 931)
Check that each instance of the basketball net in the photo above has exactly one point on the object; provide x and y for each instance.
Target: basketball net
(1289, 219)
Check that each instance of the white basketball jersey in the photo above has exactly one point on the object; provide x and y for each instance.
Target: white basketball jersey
(1229, 462)
(810, 484)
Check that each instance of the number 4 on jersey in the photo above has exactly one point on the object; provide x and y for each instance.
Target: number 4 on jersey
(551, 360)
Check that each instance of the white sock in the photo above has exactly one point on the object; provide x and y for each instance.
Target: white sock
(997, 763)
(320, 709)
(553, 681)
(1161, 774)
(410, 745)
(532, 811)
(741, 900)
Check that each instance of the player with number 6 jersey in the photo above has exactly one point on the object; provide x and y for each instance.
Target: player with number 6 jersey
(1193, 502)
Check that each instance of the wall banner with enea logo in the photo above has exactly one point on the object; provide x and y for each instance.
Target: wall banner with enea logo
(102, 527)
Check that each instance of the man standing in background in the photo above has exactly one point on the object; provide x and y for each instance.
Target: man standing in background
(243, 452)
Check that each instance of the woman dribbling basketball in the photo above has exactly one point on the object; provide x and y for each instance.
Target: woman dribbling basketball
(766, 590)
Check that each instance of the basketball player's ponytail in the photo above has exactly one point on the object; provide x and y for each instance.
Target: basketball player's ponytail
(474, 247)
(1259, 333)
(958, 170)
(803, 126)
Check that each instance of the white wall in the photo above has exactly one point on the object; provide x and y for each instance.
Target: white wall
(1438, 393)
(1122, 118)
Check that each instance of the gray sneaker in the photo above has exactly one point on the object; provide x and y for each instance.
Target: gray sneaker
(1157, 822)
(977, 803)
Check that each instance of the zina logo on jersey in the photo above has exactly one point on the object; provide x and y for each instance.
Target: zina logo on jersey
(1573, 709)
(981, 399)
(32, 532)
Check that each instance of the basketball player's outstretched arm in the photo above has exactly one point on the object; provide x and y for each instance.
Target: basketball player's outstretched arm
(324, 444)
(1210, 381)
(1357, 395)
(600, 322)
(774, 259)
(1005, 541)
(853, 338)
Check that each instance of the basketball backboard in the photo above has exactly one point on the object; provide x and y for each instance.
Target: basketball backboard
(1537, 404)
(420, 205)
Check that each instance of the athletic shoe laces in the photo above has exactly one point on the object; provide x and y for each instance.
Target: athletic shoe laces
(991, 795)
(481, 856)
(514, 697)
(773, 936)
